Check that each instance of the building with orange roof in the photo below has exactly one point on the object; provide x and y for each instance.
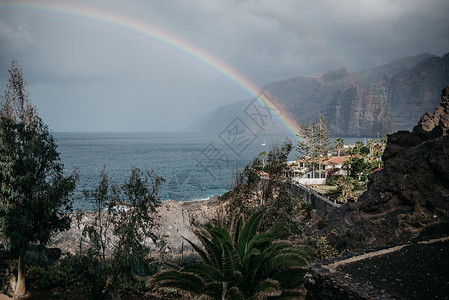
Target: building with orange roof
(304, 175)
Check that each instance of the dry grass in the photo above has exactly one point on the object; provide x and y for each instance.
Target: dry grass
(325, 189)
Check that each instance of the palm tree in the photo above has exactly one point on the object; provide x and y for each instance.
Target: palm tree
(240, 264)
(346, 185)
(339, 144)
(358, 146)
(371, 143)
(263, 154)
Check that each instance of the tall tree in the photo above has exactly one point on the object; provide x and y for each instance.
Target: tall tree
(263, 154)
(99, 228)
(272, 193)
(133, 225)
(371, 143)
(339, 144)
(277, 194)
(315, 143)
(345, 185)
(124, 218)
(35, 196)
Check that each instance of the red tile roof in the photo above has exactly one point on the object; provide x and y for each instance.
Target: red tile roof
(336, 160)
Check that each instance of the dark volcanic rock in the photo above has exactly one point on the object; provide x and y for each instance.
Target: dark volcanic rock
(409, 198)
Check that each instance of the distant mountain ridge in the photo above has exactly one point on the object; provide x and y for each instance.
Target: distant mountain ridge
(383, 99)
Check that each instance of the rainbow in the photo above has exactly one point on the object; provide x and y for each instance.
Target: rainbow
(167, 38)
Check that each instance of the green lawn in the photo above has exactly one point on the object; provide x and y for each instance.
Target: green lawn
(330, 189)
(325, 189)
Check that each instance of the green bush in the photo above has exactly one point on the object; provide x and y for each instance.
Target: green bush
(324, 249)
(79, 273)
(51, 277)
(334, 179)
(321, 247)
(304, 209)
(33, 259)
(188, 258)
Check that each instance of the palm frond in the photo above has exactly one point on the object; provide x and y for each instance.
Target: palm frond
(235, 293)
(241, 264)
(248, 231)
(260, 241)
(231, 260)
(206, 272)
(200, 252)
(290, 277)
(267, 288)
(188, 282)
(236, 227)
(212, 249)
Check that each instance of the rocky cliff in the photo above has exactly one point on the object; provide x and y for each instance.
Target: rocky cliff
(382, 99)
(408, 199)
(177, 220)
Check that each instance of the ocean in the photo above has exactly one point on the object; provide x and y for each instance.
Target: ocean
(194, 166)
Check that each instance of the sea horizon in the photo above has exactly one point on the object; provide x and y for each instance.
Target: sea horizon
(195, 166)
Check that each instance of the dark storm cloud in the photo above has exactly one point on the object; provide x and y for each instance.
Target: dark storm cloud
(87, 75)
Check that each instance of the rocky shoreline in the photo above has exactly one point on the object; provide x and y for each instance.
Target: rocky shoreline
(177, 220)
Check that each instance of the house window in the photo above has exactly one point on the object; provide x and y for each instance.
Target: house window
(323, 167)
(301, 164)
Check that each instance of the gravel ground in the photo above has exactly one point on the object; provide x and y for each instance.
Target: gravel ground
(417, 271)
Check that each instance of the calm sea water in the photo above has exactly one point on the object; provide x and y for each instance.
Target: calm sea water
(194, 166)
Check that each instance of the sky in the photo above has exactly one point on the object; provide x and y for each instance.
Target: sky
(117, 73)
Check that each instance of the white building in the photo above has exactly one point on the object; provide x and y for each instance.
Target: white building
(304, 174)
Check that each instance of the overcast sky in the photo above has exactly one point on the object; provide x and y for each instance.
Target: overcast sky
(87, 75)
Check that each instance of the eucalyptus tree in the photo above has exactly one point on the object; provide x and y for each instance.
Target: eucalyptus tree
(35, 196)
(99, 228)
(135, 223)
(271, 192)
(242, 263)
(125, 217)
(277, 195)
(315, 144)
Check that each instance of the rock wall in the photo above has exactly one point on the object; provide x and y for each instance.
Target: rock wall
(408, 198)
(318, 204)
